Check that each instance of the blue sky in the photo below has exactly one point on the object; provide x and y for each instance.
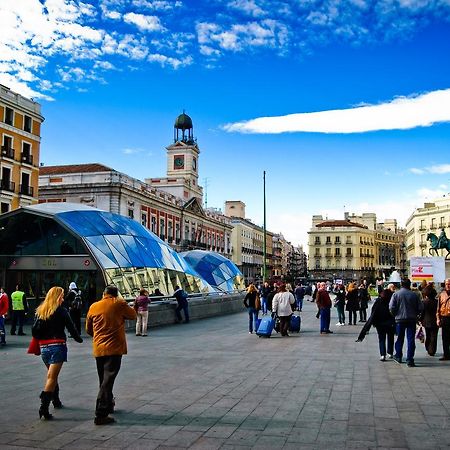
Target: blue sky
(345, 104)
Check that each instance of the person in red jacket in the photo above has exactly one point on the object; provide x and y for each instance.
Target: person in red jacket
(323, 301)
(4, 304)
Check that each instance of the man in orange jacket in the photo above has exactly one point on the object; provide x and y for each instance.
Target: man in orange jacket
(105, 322)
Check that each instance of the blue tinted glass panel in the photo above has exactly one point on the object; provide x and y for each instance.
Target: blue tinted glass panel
(78, 223)
(121, 259)
(133, 251)
(101, 251)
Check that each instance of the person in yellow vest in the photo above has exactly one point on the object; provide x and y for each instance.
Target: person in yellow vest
(19, 308)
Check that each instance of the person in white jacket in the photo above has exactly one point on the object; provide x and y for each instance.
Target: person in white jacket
(281, 304)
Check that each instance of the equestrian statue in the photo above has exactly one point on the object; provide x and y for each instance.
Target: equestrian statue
(439, 242)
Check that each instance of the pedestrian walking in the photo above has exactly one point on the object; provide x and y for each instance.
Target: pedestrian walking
(19, 309)
(74, 303)
(105, 322)
(323, 301)
(51, 321)
(428, 318)
(250, 302)
(182, 300)
(443, 319)
(382, 319)
(299, 296)
(282, 306)
(406, 307)
(265, 290)
(339, 303)
(308, 293)
(352, 305)
(141, 307)
(4, 305)
(363, 298)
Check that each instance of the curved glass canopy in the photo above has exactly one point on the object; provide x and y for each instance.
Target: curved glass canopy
(217, 270)
(131, 256)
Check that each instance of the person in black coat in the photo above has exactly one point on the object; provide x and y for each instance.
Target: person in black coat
(428, 318)
(382, 319)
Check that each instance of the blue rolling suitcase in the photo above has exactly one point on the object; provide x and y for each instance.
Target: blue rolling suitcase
(266, 326)
(295, 324)
(257, 322)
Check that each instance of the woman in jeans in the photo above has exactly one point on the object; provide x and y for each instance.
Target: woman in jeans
(51, 320)
(384, 322)
(252, 308)
(339, 303)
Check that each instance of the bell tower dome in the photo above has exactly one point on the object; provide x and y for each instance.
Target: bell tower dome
(182, 162)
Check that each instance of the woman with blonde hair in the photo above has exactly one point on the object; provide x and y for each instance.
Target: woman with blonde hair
(51, 320)
(352, 303)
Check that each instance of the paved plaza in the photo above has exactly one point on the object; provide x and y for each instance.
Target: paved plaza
(210, 385)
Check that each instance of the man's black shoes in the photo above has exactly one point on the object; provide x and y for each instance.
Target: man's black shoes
(103, 420)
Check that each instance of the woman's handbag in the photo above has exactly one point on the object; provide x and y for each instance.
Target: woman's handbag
(420, 335)
(33, 348)
(257, 302)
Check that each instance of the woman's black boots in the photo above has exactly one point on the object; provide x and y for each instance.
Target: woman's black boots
(46, 398)
(55, 400)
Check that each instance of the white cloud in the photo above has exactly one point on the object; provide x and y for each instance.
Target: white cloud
(143, 22)
(399, 114)
(247, 6)
(132, 151)
(439, 169)
(169, 61)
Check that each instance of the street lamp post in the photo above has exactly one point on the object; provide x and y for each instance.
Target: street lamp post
(264, 230)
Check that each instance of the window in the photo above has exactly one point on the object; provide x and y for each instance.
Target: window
(144, 219)
(4, 208)
(442, 222)
(162, 229)
(9, 116)
(338, 252)
(337, 240)
(328, 239)
(26, 153)
(170, 230)
(317, 240)
(317, 263)
(317, 252)
(349, 252)
(131, 213)
(422, 224)
(433, 223)
(153, 224)
(328, 251)
(25, 187)
(27, 124)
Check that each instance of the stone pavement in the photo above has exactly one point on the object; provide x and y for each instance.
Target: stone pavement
(210, 385)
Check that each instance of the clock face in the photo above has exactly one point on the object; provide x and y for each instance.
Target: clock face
(178, 162)
(194, 163)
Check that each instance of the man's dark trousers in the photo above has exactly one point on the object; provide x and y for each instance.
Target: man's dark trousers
(445, 324)
(410, 329)
(18, 318)
(107, 369)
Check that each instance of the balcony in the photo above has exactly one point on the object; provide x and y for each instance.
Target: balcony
(26, 190)
(6, 185)
(7, 152)
(26, 158)
(423, 244)
(422, 229)
(433, 227)
(349, 255)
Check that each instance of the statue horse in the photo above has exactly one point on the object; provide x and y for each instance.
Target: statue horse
(437, 244)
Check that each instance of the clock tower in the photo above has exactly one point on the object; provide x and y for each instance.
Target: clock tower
(182, 162)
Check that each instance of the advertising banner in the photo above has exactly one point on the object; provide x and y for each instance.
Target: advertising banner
(427, 268)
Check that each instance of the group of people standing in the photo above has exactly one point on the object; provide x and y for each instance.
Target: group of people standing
(399, 312)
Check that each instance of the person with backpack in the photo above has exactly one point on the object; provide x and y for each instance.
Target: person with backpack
(74, 303)
(182, 301)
